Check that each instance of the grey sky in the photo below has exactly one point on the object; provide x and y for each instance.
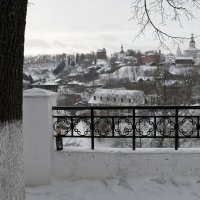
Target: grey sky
(56, 26)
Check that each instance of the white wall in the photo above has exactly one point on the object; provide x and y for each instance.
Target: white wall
(95, 164)
(38, 135)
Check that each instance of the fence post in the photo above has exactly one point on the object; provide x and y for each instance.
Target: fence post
(134, 129)
(38, 135)
(92, 128)
(176, 130)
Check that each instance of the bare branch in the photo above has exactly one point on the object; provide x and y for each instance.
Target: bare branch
(174, 10)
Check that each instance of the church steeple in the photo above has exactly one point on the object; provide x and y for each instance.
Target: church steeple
(178, 51)
(122, 49)
(192, 42)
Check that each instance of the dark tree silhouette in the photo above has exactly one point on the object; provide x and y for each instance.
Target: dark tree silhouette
(59, 68)
(12, 28)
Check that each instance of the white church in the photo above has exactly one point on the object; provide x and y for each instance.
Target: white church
(191, 51)
(190, 55)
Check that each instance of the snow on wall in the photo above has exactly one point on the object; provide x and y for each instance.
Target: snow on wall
(99, 164)
(11, 162)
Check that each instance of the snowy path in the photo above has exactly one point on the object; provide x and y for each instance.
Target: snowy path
(187, 188)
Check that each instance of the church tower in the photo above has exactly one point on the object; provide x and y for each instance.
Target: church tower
(192, 42)
(122, 49)
(121, 55)
(178, 51)
(192, 51)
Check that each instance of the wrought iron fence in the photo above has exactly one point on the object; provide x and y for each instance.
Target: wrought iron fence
(164, 126)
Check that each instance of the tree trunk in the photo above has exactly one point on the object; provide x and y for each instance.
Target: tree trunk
(12, 28)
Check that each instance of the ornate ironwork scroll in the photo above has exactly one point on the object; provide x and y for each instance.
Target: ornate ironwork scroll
(165, 126)
(103, 126)
(144, 126)
(82, 127)
(187, 126)
(123, 126)
(64, 126)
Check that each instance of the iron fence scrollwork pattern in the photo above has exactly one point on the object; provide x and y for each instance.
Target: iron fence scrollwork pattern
(135, 123)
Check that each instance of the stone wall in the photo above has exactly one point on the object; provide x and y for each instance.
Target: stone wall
(109, 163)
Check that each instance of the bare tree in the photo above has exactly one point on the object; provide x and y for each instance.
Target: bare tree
(158, 13)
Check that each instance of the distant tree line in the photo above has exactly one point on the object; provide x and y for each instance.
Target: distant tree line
(70, 59)
(80, 59)
(134, 53)
(44, 58)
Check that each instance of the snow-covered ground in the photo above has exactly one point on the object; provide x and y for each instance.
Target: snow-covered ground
(138, 188)
(178, 70)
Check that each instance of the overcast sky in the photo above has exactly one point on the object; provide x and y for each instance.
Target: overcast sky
(70, 26)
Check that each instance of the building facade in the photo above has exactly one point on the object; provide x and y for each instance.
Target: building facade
(101, 54)
(184, 61)
(117, 97)
(151, 58)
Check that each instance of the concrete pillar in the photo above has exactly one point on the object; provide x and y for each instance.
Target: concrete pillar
(38, 135)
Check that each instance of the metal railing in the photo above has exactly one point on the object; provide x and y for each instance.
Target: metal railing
(163, 126)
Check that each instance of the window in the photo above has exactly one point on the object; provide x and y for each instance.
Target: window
(129, 100)
(94, 97)
(114, 99)
(101, 98)
(122, 100)
(107, 98)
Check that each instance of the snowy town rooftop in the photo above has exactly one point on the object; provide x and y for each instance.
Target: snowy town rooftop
(183, 58)
(44, 82)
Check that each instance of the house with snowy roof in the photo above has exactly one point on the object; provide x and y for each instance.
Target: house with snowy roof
(47, 85)
(184, 61)
(117, 97)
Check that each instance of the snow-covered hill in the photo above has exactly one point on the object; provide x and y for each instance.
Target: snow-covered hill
(131, 73)
(40, 70)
